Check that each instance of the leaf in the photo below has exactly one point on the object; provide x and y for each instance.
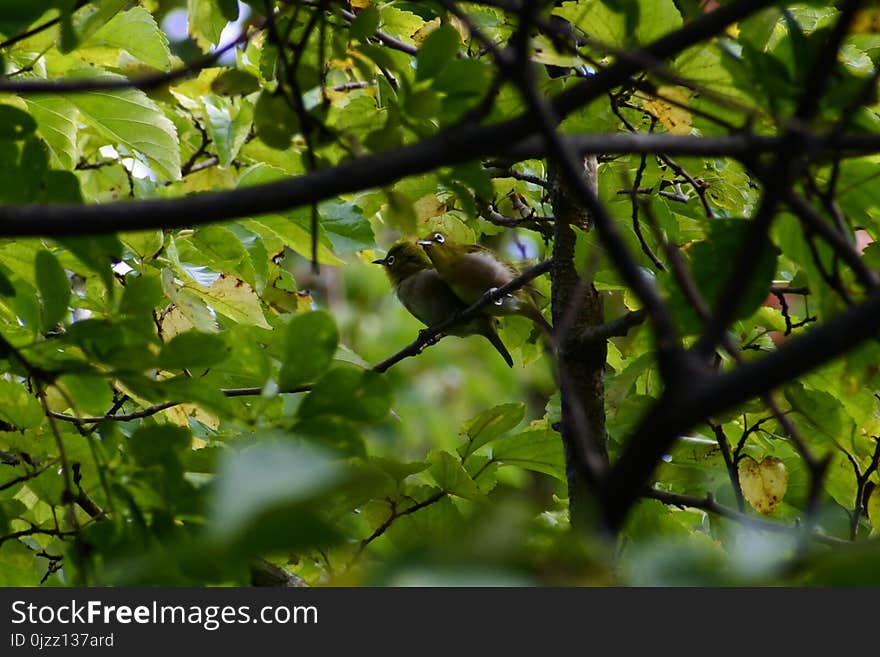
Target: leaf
(674, 117)
(823, 413)
(56, 124)
(90, 394)
(128, 117)
(54, 288)
(310, 341)
(763, 484)
(14, 123)
(349, 392)
(711, 262)
(539, 450)
(873, 508)
(235, 299)
(451, 476)
(275, 121)
(206, 21)
(270, 476)
(136, 32)
(438, 50)
(193, 350)
(490, 424)
(365, 23)
(19, 408)
(96, 252)
(227, 126)
(346, 226)
(159, 444)
(235, 82)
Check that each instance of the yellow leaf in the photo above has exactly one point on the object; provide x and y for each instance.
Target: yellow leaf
(677, 120)
(422, 33)
(763, 484)
(234, 298)
(867, 21)
(182, 413)
(428, 206)
(359, 4)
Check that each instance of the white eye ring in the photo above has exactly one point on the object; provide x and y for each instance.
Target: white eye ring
(389, 260)
(439, 238)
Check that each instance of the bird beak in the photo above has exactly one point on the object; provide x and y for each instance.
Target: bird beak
(381, 261)
(426, 242)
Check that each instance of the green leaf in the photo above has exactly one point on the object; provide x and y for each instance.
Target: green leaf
(346, 226)
(19, 408)
(711, 264)
(159, 444)
(15, 124)
(228, 126)
(129, 118)
(136, 32)
(539, 450)
(91, 18)
(451, 476)
(349, 392)
(310, 341)
(90, 395)
(54, 288)
(275, 120)
(826, 423)
(333, 434)
(207, 18)
(235, 82)
(490, 424)
(193, 350)
(266, 478)
(97, 253)
(438, 50)
(56, 124)
(365, 24)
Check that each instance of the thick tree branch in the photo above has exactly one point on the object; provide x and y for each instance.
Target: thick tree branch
(464, 143)
(677, 411)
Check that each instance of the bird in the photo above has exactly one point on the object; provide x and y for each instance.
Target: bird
(472, 270)
(429, 299)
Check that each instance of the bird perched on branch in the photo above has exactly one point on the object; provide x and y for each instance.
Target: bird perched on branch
(472, 270)
(429, 299)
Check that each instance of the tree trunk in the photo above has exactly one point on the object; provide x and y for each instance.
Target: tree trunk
(577, 305)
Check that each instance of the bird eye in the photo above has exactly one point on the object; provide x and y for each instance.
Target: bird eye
(389, 260)
(438, 237)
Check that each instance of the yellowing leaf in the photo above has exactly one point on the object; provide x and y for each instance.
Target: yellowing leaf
(674, 118)
(867, 21)
(763, 484)
(422, 33)
(182, 413)
(428, 207)
(235, 299)
(359, 4)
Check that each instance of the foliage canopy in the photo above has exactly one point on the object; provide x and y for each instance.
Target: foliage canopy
(195, 346)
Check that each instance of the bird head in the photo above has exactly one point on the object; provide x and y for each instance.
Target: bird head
(403, 260)
(440, 250)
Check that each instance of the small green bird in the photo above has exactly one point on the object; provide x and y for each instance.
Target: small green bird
(472, 270)
(429, 299)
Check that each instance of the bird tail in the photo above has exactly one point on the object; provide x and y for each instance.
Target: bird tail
(492, 336)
